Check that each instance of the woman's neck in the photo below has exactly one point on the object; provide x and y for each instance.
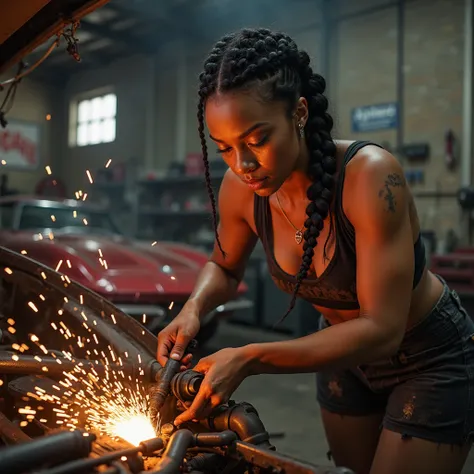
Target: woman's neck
(294, 188)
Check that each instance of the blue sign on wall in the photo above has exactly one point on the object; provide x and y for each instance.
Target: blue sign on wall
(375, 117)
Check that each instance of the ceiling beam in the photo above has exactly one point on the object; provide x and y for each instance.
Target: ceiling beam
(171, 18)
(123, 38)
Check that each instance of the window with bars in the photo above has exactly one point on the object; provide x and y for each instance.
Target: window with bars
(95, 120)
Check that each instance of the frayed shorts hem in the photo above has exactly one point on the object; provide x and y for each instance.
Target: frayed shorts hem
(348, 411)
(407, 432)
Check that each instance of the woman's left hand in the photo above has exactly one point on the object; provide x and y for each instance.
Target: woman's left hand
(223, 372)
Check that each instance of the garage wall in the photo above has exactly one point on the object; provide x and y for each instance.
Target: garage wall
(157, 97)
(156, 108)
(130, 80)
(33, 102)
(364, 72)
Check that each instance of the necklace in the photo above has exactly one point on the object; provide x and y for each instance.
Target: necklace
(298, 232)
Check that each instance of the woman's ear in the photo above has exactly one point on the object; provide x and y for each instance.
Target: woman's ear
(302, 111)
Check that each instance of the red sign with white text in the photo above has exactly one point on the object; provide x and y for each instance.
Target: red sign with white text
(19, 144)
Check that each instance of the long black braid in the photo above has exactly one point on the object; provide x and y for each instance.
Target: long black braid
(271, 62)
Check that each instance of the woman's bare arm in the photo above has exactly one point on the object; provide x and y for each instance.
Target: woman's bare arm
(218, 281)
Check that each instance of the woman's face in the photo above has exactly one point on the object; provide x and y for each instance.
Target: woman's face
(256, 139)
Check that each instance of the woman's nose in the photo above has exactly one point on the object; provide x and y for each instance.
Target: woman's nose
(246, 164)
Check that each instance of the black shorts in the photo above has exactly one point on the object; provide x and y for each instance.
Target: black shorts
(426, 390)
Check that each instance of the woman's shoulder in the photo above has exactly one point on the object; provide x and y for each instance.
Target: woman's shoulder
(372, 172)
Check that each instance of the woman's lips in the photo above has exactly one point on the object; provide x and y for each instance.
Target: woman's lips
(255, 184)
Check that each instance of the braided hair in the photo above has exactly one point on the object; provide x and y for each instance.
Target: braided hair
(272, 63)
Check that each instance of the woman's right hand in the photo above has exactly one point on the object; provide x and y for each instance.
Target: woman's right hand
(174, 338)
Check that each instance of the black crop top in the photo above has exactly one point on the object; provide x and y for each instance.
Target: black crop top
(335, 288)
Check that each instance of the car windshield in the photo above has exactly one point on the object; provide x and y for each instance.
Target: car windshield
(66, 219)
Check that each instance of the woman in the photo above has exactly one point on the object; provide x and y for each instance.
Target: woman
(394, 357)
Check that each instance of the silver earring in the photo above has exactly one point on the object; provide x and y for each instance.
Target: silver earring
(301, 129)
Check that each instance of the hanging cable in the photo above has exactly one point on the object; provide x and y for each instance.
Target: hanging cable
(69, 35)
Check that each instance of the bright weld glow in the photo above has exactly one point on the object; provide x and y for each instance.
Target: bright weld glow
(89, 176)
(132, 427)
(108, 163)
(115, 404)
(48, 169)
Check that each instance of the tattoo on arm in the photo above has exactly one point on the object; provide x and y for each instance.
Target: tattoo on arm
(393, 180)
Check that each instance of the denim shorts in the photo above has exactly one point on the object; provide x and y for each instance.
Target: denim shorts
(426, 390)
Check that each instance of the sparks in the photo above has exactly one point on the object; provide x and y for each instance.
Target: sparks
(115, 404)
(89, 176)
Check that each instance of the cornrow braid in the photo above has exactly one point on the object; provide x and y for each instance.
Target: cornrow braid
(272, 63)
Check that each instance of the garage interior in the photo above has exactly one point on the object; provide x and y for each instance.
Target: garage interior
(105, 125)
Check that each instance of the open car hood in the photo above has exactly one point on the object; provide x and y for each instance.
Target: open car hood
(24, 25)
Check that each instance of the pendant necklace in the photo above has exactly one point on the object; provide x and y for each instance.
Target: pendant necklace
(298, 232)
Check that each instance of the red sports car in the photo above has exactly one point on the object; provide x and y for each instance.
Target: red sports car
(148, 281)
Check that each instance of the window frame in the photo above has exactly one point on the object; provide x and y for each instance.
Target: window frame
(15, 216)
(74, 114)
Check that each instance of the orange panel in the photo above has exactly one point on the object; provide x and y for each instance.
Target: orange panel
(16, 14)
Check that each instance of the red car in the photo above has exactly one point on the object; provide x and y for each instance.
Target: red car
(150, 282)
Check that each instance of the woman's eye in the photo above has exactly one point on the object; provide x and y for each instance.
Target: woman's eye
(223, 150)
(260, 142)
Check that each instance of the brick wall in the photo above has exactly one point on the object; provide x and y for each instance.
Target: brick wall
(364, 72)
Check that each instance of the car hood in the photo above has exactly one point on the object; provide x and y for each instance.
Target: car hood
(24, 25)
(115, 253)
(116, 264)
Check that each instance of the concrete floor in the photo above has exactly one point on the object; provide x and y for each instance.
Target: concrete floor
(286, 403)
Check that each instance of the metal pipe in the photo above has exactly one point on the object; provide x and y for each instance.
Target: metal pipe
(366, 11)
(243, 419)
(150, 142)
(11, 433)
(326, 36)
(400, 73)
(175, 452)
(27, 364)
(86, 465)
(467, 120)
(46, 451)
(181, 105)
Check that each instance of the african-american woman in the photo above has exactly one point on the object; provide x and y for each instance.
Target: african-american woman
(394, 355)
